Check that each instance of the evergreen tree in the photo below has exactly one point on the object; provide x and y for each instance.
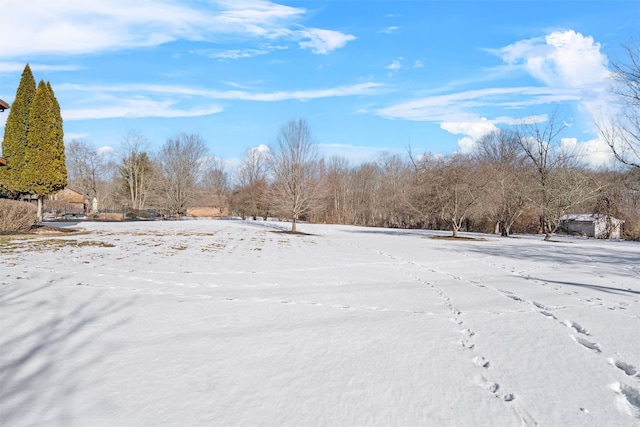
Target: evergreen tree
(15, 135)
(45, 171)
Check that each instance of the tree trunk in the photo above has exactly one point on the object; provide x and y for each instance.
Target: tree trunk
(293, 225)
(40, 203)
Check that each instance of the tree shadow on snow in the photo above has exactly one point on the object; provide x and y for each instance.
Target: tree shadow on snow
(48, 345)
(607, 289)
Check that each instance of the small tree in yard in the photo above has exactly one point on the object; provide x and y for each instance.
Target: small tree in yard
(45, 171)
(295, 165)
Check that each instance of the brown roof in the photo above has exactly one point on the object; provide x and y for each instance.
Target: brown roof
(3, 162)
(3, 105)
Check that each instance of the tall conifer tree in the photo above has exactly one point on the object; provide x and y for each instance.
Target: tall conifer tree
(45, 171)
(15, 135)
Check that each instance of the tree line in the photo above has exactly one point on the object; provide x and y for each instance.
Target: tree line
(517, 180)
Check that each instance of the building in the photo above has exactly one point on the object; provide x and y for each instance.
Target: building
(592, 225)
(3, 106)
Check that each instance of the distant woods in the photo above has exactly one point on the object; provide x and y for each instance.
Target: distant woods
(518, 180)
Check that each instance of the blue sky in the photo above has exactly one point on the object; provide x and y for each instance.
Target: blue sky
(368, 76)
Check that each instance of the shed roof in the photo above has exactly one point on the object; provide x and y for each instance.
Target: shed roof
(586, 218)
(3, 105)
(3, 162)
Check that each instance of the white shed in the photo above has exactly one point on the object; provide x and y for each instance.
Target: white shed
(592, 225)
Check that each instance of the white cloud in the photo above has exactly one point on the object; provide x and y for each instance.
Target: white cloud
(594, 152)
(38, 27)
(230, 53)
(473, 131)
(136, 108)
(560, 59)
(390, 29)
(323, 41)
(395, 65)
(418, 64)
(462, 106)
(105, 150)
(177, 91)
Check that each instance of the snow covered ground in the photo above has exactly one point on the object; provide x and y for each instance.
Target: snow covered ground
(203, 323)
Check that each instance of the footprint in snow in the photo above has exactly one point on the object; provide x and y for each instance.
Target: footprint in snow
(579, 329)
(625, 367)
(467, 344)
(587, 344)
(481, 361)
(548, 315)
(494, 388)
(540, 306)
(628, 398)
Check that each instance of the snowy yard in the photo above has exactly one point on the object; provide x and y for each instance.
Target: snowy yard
(228, 323)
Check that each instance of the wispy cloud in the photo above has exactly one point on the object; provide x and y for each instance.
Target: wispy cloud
(350, 90)
(323, 41)
(395, 65)
(79, 27)
(101, 101)
(137, 108)
(230, 54)
(390, 29)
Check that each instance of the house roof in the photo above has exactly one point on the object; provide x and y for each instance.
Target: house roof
(587, 218)
(3, 105)
(3, 162)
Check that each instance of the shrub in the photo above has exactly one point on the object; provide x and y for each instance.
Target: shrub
(16, 216)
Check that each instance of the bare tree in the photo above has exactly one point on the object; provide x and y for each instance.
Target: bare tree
(136, 168)
(394, 188)
(339, 190)
(86, 168)
(455, 189)
(560, 184)
(249, 197)
(622, 132)
(501, 159)
(180, 165)
(295, 165)
(216, 181)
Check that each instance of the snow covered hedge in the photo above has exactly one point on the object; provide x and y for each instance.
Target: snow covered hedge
(16, 216)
